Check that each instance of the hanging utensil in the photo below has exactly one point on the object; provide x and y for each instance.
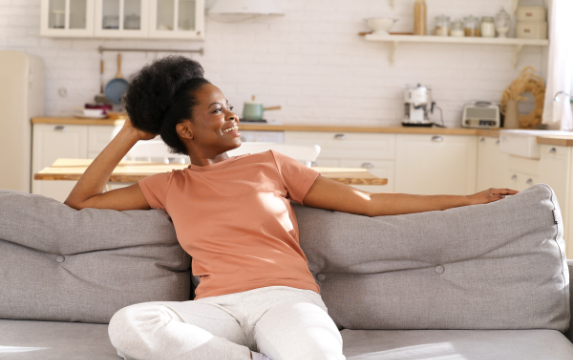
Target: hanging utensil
(100, 98)
(115, 89)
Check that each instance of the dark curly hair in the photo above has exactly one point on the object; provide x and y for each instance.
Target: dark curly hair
(162, 95)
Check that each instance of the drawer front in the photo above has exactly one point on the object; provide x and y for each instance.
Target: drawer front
(347, 145)
(553, 152)
(520, 181)
(379, 168)
(523, 165)
(99, 136)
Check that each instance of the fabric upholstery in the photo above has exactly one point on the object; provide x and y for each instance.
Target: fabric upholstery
(456, 345)
(58, 263)
(48, 340)
(54, 340)
(500, 265)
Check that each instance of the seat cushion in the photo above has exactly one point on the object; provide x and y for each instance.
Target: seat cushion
(493, 266)
(456, 345)
(52, 340)
(58, 263)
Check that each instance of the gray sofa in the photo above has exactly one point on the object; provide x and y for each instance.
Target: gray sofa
(478, 282)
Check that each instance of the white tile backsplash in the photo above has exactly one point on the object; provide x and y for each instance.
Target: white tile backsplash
(311, 61)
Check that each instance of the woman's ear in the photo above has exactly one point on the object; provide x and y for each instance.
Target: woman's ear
(184, 130)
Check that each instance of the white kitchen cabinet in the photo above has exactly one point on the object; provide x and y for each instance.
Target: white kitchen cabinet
(436, 164)
(121, 18)
(53, 141)
(555, 171)
(67, 18)
(177, 19)
(492, 164)
(143, 19)
(376, 152)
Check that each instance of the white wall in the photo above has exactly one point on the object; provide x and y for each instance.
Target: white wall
(311, 61)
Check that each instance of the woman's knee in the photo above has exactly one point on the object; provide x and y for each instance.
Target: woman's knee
(133, 321)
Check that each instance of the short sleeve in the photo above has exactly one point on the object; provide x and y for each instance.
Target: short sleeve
(154, 189)
(296, 177)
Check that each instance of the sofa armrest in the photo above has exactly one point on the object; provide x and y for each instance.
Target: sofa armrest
(569, 332)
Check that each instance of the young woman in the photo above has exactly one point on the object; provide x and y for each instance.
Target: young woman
(233, 216)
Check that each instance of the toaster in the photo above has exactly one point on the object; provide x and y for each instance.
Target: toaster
(481, 115)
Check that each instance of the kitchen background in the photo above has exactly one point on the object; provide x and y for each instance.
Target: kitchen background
(311, 61)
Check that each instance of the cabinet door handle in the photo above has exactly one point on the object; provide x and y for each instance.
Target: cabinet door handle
(367, 165)
(514, 177)
(60, 128)
(437, 138)
(482, 140)
(553, 150)
(314, 163)
(497, 142)
(340, 137)
(529, 181)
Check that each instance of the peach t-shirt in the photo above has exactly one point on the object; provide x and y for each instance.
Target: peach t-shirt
(235, 219)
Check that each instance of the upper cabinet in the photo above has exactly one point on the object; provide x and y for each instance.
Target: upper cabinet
(121, 18)
(69, 18)
(182, 19)
(144, 19)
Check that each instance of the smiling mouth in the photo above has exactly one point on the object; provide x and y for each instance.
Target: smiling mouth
(233, 129)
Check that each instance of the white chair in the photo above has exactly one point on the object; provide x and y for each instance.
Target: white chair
(156, 150)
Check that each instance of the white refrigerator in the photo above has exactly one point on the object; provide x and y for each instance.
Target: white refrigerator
(21, 98)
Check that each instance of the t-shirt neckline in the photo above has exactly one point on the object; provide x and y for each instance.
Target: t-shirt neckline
(218, 165)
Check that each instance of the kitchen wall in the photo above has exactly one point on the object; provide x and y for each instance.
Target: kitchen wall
(311, 61)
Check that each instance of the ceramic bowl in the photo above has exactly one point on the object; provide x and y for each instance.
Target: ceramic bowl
(380, 26)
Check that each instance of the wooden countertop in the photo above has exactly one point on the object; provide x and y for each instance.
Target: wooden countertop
(133, 171)
(550, 140)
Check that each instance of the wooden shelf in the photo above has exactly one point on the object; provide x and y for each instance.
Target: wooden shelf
(517, 44)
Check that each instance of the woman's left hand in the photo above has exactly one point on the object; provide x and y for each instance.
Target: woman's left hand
(490, 195)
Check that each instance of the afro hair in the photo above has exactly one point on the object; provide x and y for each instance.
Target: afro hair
(162, 95)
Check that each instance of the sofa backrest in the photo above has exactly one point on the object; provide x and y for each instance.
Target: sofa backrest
(500, 265)
(58, 263)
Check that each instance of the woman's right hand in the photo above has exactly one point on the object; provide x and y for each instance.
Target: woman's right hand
(142, 135)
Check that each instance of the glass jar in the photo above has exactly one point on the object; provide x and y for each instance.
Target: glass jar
(487, 27)
(502, 23)
(442, 26)
(457, 29)
(472, 26)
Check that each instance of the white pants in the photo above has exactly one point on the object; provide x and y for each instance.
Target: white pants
(281, 322)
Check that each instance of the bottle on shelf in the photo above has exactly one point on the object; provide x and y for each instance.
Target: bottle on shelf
(420, 10)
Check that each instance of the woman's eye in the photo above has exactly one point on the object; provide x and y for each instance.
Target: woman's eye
(231, 107)
(217, 110)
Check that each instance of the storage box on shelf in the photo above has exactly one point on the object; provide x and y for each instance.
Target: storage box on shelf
(151, 19)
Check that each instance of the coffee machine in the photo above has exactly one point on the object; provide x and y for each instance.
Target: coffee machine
(417, 105)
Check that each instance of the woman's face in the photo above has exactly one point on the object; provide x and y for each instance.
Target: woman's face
(214, 129)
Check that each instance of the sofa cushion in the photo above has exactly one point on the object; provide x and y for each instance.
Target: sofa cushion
(53, 340)
(500, 265)
(58, 263)
(456, 345)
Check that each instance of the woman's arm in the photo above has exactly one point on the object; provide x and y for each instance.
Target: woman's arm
(332, 195)
(88, 191)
